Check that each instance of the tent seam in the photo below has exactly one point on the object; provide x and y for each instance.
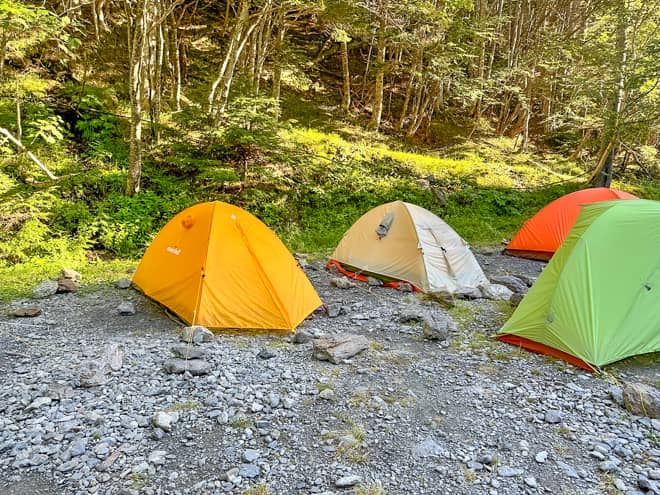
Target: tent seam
(419, 243)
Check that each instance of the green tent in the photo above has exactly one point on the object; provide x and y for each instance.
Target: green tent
(598, 300)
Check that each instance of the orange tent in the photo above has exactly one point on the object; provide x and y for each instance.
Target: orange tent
(541, 235)
(217, 265)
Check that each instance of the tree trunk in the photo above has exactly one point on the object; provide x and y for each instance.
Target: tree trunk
(346, 79)
(277, 57)
(377, 111)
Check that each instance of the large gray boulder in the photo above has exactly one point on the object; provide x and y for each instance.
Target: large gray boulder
(436, 326)
(337, 348)
(510, 281)
(197, 334)
(46, 288)
(496, 292)
(187, 351)
(642, 400)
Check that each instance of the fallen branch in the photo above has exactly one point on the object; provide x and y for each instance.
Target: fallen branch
(20, 146)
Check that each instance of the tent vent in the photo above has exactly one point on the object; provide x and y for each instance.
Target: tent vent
(385, 225)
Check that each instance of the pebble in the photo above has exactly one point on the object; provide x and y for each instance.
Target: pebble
(348, 481)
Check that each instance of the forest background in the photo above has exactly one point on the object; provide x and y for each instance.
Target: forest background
(117, 114)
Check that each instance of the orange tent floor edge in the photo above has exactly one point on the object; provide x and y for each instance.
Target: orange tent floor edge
(529, 254)
(363, 278)
(539, 348)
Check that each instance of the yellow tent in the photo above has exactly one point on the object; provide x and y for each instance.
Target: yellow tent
(217, 265)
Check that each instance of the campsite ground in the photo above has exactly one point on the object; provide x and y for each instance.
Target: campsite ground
(408, 415)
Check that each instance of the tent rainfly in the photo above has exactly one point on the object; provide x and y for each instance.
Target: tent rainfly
(597, 300)
(542, 234)
(217, 265)
(404, 242)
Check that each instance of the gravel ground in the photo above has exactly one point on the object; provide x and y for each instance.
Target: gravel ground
(409, 416)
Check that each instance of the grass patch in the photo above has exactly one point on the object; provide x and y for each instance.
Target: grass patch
(240, 423)
(260, 489)
(370, 489)
(184, 406)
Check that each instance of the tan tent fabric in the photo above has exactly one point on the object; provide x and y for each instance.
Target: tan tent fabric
(417, 247)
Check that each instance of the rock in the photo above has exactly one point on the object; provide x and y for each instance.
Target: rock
(65, 285)
(126, 308)
(516, 298)
(196, 367)
(509, 472)
(327, 394)
(157, 457)
(496, 292)
(553, 417)
(123, 283)
(46, 288)
(232, 476)
(197, 334)
(435, 326)
(541, 457)
(609, 466)
(374, 282)
(617, 395)
(648, 485)
(27, 311)
(334, 310)
(302, 337)
(162, 420)
(337, 348)
(412, 314)
(59, 391)
(404, 287)
(187, 351)
(248, 470)
(38, 402)
(568, 469)
(78, 447)
(341, 282)
(114, 356)
(68, 466)
(348, 481)
(266, 353)
(93, 373)
(70, 274)
(511, 282)
(642, 400)
(428, 448)
(468, 293)
(251, 455)
(531, 482)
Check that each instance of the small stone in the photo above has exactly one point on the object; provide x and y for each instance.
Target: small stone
(333, 310)
(126, 308)
(496, 292)
(404, 287)
(162, 420)
(327, 394)
(45, 289)
(531, 482)
(78, 447)
(541, 457)
(232, 476)
(266, 353)
(251, 455)
(516, 298)
(195, 367)
(39, 402)
(568, 470)
(68, 466)
(340, 347)
(509, 472)
(248, 470)
(70, 274)
(428, 448)
(302, 337)
(348, 481)
(341, 282)
(374, 282)
(609, 466)
(140, 468)
(27, 311)
(435, 326)
(511, 282)
(157, 457)
(123, 283)
(617, 395)
(553, 416)
(187, 351)
(93, 373)
(197, 334)
(114, 356)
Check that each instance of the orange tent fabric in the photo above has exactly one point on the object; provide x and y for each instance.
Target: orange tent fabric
(541, 235)
(217, 265)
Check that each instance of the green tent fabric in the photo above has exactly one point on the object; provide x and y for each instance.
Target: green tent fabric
(598, 300)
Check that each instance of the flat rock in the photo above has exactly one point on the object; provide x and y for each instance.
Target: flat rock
(348, 481)
(27, 311)
(46, 288)
(428, 448)
(197, 334)
(123, 283)
(126, 308)
(496, 292)
(157, 457)
(93, 373)
(337, 348)
(509, 472)
(511, 282)
(71, 274)
(248, 470)
(114, 356)
(65, 285)
(187, 351)
(196, 367)
(468, 293)
(341, 282)
(642, 399)
(302, 337)
(436, 326)
(162, 420)
(374, 282)
(266, 353)
(553, 416)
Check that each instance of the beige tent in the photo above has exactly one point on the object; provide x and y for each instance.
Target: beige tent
(402, 241)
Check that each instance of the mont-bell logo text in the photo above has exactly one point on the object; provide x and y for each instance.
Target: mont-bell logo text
(173, 250)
